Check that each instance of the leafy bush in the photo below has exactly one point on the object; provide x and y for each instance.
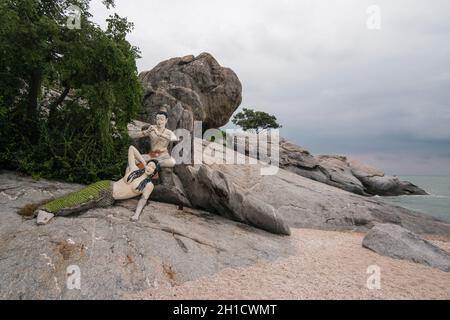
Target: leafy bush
(79, 135)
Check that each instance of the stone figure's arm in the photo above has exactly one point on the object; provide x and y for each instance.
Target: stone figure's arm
(173, 137)
(133, 155)
(151, 132)
(143, 201)
(144, 133)
(140, 206)
(139, 134)
(138, 155)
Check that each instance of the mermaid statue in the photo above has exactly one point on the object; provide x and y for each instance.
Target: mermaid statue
(136, 182)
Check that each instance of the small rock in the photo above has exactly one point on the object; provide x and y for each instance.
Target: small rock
(44, 217)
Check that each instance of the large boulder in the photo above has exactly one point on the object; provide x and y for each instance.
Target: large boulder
(339, 174)
(211, 190)
(399, 243)
(194, 89)
(376, 182)
(358, 177)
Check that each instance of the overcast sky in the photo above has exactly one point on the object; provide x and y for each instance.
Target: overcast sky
(337, 87)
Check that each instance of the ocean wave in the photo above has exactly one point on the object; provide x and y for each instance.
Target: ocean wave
(436, 196)
(426, 196)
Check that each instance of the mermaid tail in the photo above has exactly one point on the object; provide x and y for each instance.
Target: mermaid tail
(96, 195)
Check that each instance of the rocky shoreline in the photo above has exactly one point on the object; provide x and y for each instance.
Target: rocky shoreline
(164, 249)
(294, 200)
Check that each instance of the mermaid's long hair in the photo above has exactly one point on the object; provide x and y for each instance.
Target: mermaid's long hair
(137, 173)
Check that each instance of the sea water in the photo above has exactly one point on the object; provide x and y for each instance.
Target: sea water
(437, 203)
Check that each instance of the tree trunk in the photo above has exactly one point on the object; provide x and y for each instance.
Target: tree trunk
(33, 95)
(56, 103)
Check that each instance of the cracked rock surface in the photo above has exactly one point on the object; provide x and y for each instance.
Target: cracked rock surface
(115, 256)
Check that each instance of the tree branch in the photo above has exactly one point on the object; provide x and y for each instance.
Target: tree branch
(61, 98)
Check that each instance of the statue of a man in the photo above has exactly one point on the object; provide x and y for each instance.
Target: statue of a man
(160, 138)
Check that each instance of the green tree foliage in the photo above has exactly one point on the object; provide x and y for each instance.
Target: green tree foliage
(79, 134)
(257, 121)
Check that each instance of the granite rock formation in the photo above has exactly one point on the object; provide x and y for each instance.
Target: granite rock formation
(194, 89)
